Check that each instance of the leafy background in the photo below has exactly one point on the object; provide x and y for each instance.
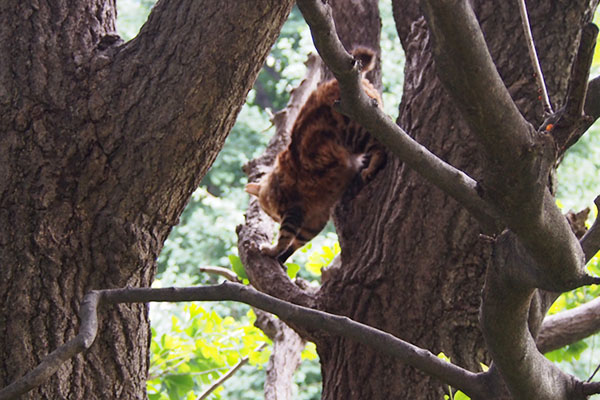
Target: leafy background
(194, 344)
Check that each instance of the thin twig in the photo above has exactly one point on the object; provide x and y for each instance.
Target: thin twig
(594, 373)
(224, 272)
(534, 58)
(228, 374)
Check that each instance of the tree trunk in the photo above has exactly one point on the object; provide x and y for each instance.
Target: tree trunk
(101, 145)
(413, 260)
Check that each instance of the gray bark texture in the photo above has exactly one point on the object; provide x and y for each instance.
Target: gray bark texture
(101, 145)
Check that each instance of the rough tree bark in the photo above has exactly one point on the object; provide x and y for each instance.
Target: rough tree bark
(97, 170)
(101, 145)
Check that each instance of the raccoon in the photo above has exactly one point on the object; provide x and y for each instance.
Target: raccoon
(326, 154)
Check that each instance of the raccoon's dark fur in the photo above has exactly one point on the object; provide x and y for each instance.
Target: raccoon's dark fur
(326, 152)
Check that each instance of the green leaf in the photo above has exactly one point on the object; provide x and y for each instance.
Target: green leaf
(461, 396)
(292, 269)
(568, 353)
(237, 266)
(310, 352)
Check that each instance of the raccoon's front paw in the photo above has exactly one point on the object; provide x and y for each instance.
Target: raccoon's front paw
(367, 175)
(269, 250)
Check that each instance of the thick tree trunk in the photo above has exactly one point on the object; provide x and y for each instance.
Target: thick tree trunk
(413, 260)
(101, 145)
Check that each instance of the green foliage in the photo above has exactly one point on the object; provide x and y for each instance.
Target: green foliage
(453, 395)
(198, 349)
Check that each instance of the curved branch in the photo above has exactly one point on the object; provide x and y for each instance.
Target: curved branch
(569, 326)
(265, 273)
(53, 361)
(381, 341)
(467, 70)
(355, 103)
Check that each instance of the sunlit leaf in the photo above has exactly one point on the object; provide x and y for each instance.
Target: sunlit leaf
(237, 266)
(292, 270)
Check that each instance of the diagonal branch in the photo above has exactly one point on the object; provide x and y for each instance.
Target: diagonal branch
(469, 74)
(569, 326)
(381, 341)
(570, 123)
(534, 58)
(355, 103)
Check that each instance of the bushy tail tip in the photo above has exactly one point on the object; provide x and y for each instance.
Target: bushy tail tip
(366, 57)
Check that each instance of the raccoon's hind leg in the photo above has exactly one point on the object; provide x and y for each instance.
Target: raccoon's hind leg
(306, 233)
(291, 221)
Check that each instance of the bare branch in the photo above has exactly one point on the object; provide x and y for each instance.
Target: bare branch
(590, 388)
(590, 242)
(468, 72)
(266, 273)
(356, 104)
(224, 272)
(521, 158)
(569, 326)
(381, 341)
(570, 123)
(53, 361)
(534, 58)
(285, 358)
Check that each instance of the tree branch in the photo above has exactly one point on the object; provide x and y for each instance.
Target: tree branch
(469, 74)
(356, 104)
(570, 123)
(569, 326)
(383, 342)
(224, 272)
(265, 273)
(590, 242)
(285, 358)
(535, 62)
(520, 158)
(53, 361)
